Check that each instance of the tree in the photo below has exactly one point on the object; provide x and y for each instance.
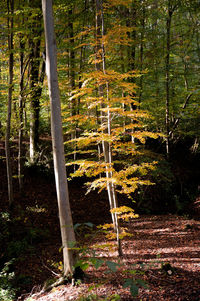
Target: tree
(36, 77)
(170, 56)
(170, 10)
(21, 103)
(10, 7)
(106, 90)
(66, 224)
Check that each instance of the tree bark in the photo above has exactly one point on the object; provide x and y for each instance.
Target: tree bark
(73, 104)
(71, 60)
(132, 22)
(21, 120)
(142, 22)
(10, 6)
(66, 224)
(34, 45)
(167, 70)
(170, 11)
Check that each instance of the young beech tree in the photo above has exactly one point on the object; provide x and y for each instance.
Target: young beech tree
(66, 224)
(100, 63)
(109, 92)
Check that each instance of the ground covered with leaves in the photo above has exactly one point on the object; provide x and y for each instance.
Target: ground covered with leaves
(161, 260)
(164, 251)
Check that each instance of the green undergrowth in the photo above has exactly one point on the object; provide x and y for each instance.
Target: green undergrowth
(7, 278)
(133, 277)
(17, 239)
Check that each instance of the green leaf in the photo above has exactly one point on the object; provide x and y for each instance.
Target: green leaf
(60, 249)
(89, 225)
(77, 226)
(71, 244)
(114, 297)
(98, 263)
(142, 283)
(134, 289)
(112, 265)
(127, 283)
(84, 266)
(133, 272)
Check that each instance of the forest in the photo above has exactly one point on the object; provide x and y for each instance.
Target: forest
(99, 150)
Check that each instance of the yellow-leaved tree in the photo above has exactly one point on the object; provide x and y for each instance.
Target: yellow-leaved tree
(115, 125)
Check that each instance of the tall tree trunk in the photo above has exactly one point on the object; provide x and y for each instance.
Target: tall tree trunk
(167, 73)
(10, 6)
(71, 60)
(142, 22)
(132, 22)
(156, 62)
(73, 105)
(66, 224)
(106, 119)
(21, 120)
(34, 45)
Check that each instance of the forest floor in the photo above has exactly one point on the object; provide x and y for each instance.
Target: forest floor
(155, 241)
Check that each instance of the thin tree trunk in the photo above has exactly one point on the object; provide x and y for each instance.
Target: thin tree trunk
(106, 118)
(21, 123)
(156, 63)
(71, 60)
(10, 6)
(66, 224)
(73, 104)
(34, 44)
(132, 22)
(142, 52)
(167, 74)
